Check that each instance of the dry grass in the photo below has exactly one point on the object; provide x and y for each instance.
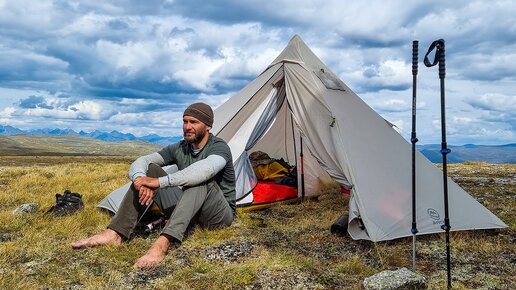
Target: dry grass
(284, 247)
(66, 145)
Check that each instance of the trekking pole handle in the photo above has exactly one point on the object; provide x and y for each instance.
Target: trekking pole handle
(415, 52)
(441, 56)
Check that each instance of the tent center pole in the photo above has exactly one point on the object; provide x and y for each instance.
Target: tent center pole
(302, 168)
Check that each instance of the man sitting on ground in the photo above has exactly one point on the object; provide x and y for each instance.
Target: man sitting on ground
(206, 197)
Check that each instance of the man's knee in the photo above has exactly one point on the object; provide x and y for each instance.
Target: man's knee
(155, 170)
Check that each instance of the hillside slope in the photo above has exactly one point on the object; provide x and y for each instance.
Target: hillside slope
(71, 145)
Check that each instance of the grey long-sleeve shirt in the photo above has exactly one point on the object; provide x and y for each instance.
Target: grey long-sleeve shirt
(194, 174)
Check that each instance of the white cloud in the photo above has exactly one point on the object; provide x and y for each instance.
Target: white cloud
(168, 58)
(27, 13)
(436, 124)
(55, 108)
(129, 58)
(463, 129)
(168, 123)
(373, 19)
(91, 110)
(215, 100)
(238, 62)
(125, 102)
(197, 73)
(462, 120)
(89, 25)
(494, 102)
(393, 105)
(398, 125)
(468, 18)
(7, 112)
(394, 71)
(21, 58)
(157, 57)
(391, 74)
(496, 108)
(481, 133)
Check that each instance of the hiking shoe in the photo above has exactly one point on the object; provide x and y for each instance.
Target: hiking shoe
(66, 203)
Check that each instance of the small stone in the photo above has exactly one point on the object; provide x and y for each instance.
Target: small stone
(27, 208)
(5, 237)
(32, 267)
(230, 251)
(400, 279)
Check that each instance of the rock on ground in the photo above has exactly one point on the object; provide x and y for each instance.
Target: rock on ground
(26, 208)
(230, 251)
(400, 279)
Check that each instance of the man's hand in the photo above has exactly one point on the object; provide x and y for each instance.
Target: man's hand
(146, 194)
(145, 186)
(149, 182)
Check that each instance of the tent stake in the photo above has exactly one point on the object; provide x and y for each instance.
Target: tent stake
(302, 168)
(440, 57)
(413, 140)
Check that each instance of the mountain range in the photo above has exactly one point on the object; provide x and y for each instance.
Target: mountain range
(469, 152)
(113, 136)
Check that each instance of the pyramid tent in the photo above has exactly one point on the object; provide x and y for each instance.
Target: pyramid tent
(298, 105)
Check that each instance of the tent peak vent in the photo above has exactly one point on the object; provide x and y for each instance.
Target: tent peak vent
(330, 80)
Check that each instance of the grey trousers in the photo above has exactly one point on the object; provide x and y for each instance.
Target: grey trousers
(203, 204)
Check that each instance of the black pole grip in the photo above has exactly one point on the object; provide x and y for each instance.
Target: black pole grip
(415, 52)
(441, 55)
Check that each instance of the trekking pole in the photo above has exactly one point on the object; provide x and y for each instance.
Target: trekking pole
(147, 207)
(413, 140)
(440, 58)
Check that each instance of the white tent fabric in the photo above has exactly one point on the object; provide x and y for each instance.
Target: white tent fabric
(343, 139)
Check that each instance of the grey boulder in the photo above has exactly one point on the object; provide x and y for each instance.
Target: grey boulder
(401, 279)
(27, 208)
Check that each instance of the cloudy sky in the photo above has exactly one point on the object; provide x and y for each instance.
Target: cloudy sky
(134, 66)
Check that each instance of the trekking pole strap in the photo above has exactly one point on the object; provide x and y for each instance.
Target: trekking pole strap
(439, 57)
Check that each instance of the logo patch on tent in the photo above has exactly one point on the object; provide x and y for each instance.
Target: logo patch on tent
(433, 214)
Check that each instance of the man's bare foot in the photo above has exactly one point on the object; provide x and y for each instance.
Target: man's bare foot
(107, 237)
(155, 254)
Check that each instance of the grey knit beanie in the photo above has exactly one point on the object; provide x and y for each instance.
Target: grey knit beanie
(201, 112)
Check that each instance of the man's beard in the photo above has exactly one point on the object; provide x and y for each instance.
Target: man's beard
(196, 138)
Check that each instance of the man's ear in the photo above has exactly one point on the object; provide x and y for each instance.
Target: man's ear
(209, 128)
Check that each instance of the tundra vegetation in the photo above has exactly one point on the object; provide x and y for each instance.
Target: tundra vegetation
(287, 246)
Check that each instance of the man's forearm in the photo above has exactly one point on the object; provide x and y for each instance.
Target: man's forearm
(140, 166)
(196, 173)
